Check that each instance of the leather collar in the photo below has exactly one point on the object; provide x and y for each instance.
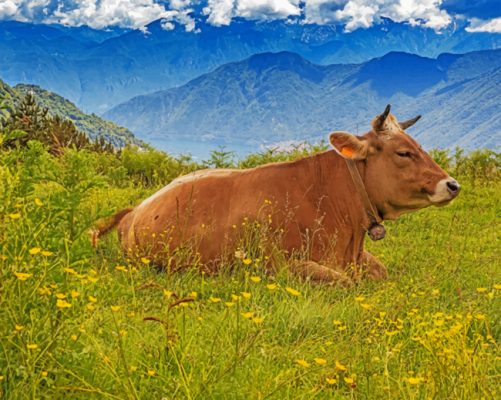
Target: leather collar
(375, 230)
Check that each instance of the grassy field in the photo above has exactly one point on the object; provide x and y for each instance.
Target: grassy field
(78, 323)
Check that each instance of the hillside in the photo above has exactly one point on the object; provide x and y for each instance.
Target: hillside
(97, 70)
(90, 124)
(276, 97)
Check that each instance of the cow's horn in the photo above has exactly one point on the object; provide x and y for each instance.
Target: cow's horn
(409, 123)
(382, 117)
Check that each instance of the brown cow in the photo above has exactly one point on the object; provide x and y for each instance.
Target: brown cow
(313, 201)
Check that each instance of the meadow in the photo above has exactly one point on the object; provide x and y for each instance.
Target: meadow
(84, 323)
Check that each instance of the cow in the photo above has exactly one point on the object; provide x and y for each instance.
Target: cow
(323, 204)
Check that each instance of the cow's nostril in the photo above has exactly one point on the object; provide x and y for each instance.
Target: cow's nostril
(453, 187)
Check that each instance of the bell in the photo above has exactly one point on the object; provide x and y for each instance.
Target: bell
(376, 231)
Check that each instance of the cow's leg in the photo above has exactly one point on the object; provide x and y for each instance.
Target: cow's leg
(320, 273)
(374, 269)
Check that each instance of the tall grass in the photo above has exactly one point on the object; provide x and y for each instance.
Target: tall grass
(76, 323)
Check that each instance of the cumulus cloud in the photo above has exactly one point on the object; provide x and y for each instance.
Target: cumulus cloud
(219, 12)
(267, 9)
(479, 25)
(98, 14)
(353, 14)
(364, 13)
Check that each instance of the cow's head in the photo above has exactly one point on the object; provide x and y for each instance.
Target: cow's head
(399, 175)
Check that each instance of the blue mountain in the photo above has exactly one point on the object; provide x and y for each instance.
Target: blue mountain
(278, 97)
(100, 69)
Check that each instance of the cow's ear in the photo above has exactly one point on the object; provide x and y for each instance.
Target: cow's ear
(349, 146)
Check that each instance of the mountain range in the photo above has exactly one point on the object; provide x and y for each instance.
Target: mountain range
(282, 97)
(90, 124)
(98, 69)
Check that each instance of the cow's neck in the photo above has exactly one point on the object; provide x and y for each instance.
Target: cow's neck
(332, 179)
(345, 215)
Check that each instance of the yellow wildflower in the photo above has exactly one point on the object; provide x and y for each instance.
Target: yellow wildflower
(360, 298)
(193, 294)
(481, 290)
(74, 338)
(15, 216)
(121, 268)
(246, 295)
(248, 314)
(70, 271)
(32, 346)
(292, 291)
(44, 291)
(22, 276)
(144, 260)
(35, 250)
(365, 306)
(45, 374)
(247, 261)
(320, 361)
(151, 372)
(480, 317)
(349, 380)
(90, 307)
(60, 295)
(229, 304)
(257, 320)
(167, 293)
(255, 279)
(214, 299)
(92, 299)
(19, 328)
(340, 366)
(115, 308)
(497, 286)
(46, 253)
(414, 380)
(271, 286)
(74, 294)
(337, 322)
(331, 381)
(234, 297)
(38, 202)
(62, 303)
(303, 363)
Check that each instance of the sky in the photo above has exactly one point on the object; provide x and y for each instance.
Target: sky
(479, 15)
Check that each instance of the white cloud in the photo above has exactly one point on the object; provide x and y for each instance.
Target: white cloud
(480, 25)
(364, 13)
(100, 14)
(220, 12)
(354, 14)
(9, 8)
(267, 9)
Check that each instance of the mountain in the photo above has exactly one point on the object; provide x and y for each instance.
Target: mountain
(92, 125)
(279, 97)
(100, 69)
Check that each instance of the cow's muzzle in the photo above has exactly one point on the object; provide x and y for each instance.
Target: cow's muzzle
(453, 187)
(446, 190)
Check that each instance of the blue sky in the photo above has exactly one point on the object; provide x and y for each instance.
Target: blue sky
(480, 15)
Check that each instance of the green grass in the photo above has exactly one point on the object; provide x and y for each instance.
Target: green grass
(429, 332)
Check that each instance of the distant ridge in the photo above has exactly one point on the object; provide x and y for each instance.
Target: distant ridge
(276, 97)
(97, 70)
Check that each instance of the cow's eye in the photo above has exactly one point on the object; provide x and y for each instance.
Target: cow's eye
(406, 154)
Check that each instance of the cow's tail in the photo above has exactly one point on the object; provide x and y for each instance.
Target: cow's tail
(105, 225)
